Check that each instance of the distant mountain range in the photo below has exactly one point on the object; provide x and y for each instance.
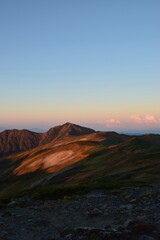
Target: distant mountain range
(12, 141)
(70, 155)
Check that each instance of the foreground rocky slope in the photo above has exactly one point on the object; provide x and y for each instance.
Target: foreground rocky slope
(124, 214)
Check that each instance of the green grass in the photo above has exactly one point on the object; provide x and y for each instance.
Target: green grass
(72, 191)
(133, 163)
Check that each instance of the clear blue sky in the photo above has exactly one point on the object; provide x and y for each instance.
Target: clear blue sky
(92, 62)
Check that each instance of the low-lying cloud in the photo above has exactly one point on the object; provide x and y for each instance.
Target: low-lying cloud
(113, 121)
(147, 119)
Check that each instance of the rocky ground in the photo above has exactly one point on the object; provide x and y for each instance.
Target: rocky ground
(125, 214)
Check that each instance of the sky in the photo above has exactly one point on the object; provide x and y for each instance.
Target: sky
(90, 62)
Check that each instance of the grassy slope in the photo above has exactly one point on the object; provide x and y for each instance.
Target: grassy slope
(112, 162)
(11, 184)
(115, 165)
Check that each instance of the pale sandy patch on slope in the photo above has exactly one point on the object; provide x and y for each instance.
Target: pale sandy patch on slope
(53, 161)
(57, 158)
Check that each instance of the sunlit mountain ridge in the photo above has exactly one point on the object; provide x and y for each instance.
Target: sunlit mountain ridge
(71, 155)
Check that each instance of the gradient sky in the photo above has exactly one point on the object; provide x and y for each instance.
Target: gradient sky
(91, 62)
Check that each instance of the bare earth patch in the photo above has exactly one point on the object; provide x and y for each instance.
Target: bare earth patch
(57, 158)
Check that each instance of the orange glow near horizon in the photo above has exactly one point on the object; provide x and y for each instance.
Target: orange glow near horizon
(96, 120)
(98, 117)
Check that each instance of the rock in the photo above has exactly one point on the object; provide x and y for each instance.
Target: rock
(85, 218)
(147, 238)
(140, 228)
(94, 212)
(133, 200)
(12, 204)
(30, 220)
(2, 224)
(89, 233)
(109, 228)
(127, 207)
(67, 231)
(3, 234)
(126, 223)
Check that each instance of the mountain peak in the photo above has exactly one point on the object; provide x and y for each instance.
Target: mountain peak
(74, 129)
(67, 129)
(20, 140)
(68, 124)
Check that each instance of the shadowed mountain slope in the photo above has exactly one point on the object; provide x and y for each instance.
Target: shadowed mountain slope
(18, 140)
